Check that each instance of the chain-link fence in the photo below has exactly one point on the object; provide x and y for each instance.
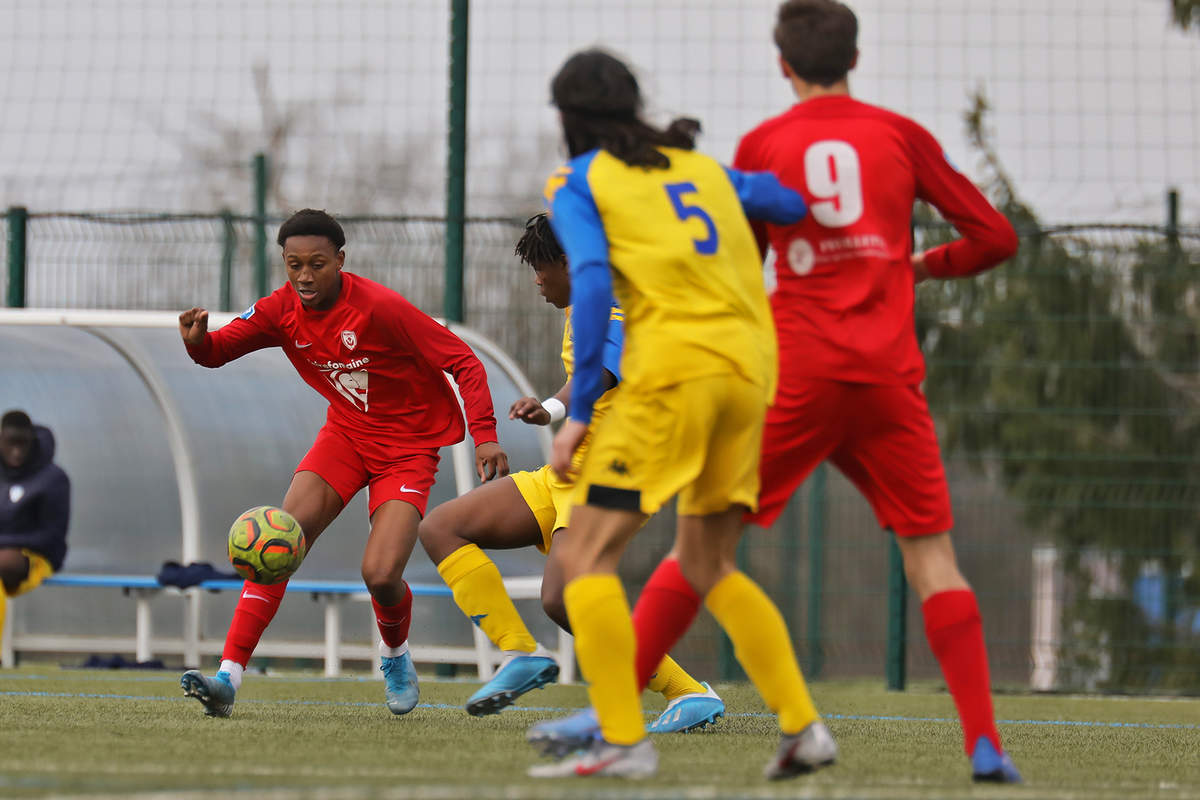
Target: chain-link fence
(1065, 386)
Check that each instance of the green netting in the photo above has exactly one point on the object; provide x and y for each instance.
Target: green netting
(1064, 384)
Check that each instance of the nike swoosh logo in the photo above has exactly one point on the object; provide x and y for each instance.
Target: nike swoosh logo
(592, 769)
(256, 597)
(301, 346)
(404, 488)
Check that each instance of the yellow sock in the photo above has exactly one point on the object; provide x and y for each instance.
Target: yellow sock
(671, 680)
(763, 648)
(3, 610)
(604, 647)
(479, 591)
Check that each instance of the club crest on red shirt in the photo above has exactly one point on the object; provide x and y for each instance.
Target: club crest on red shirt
(349, 339)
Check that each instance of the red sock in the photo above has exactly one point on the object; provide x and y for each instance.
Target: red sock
(393, 621)
(955, 633)
(664, 611)
(256, 607)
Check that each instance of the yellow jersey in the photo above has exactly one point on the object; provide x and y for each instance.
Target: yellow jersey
(685, 268)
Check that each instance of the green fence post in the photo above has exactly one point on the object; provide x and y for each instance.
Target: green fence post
(897, 641)
(18, 218)
(456, 163)
(260, 225)
(1173, 214)
(228, 248)
(816, 568)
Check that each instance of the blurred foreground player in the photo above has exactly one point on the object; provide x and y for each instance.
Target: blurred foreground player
(381, 364)
(644, 217)
(850, 367)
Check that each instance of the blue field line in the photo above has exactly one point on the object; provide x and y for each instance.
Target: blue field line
(560, 710)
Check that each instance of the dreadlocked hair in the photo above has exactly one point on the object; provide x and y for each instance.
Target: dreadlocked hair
(538, 244)
(599, 99)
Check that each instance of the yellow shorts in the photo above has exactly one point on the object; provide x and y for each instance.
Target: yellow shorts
(699, 439)
(549, 498)
(39, 570)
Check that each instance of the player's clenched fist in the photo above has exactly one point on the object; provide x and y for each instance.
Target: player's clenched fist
(193, 324)
(530, 410)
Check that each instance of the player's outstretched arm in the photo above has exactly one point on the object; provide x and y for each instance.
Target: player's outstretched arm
(531, 411)
(193, 325)
(988, 237)
(765, 199)
(253, 330)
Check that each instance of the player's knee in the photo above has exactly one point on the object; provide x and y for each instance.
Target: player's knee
(930, 565)
(14, 568)
(555, 608)
(704, 568)
(443, 531)
(384, 581)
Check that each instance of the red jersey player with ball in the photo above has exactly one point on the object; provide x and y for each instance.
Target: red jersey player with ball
(850, 367)
(381, 364)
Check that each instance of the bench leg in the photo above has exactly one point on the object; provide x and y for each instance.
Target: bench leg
(8, 658)
(566, 657)
(333, 636)
(143, 628)
(376, 658)
(483, 653)
(191, 627)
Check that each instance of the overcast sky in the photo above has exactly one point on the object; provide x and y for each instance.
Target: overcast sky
(152, 105)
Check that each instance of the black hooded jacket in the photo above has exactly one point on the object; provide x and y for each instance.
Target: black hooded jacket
(35, 502)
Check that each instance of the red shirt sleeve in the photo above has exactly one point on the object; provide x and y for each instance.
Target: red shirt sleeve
(441, 348)
(253, 331)
(987, 236)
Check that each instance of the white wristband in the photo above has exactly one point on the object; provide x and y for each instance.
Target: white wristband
(556, 408)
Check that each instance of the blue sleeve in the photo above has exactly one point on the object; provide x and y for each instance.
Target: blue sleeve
(615, 343)
(579, 229)
(765, 198)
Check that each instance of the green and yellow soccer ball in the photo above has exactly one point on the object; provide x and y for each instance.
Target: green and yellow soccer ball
(266, 545)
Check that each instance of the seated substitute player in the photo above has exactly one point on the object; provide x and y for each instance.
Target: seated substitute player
(698, 370)
(531, 509)
(35, 507)
(381, 364)
(850, 365)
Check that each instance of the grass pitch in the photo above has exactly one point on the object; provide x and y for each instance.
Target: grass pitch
(104, 734)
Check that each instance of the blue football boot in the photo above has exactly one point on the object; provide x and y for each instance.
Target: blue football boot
(401, 678)
(516, 676)
(216, 694)
(990, 766)
(690, 712)
(558, 737)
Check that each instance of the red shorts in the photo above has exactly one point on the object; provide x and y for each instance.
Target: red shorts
(392, 473)
(880, 437)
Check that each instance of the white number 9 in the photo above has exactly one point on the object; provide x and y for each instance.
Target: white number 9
(833, 174)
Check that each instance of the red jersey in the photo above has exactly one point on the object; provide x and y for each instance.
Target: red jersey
(843, 304)
(377, 359)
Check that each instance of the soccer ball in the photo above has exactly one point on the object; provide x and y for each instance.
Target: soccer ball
(266, 545)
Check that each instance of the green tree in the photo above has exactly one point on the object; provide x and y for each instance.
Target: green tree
(1186, 13)
(1069, 375)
